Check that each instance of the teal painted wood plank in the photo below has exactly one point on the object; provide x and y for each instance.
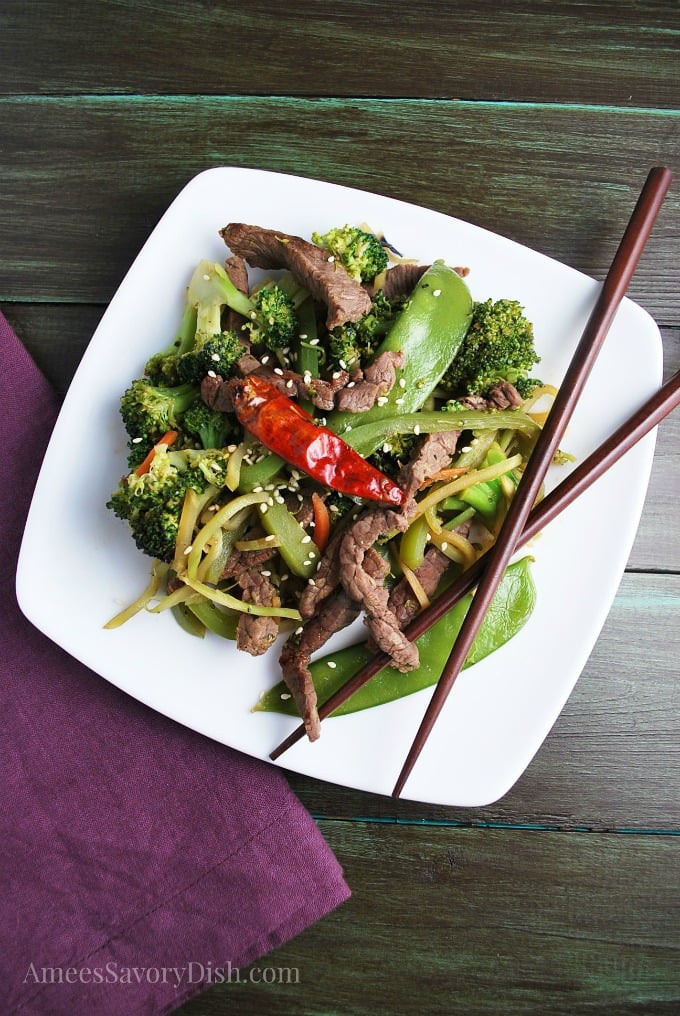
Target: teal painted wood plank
(84, 180)
(621, 54)
(450, 921)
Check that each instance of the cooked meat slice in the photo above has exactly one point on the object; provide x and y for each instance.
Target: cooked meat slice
(433, 452)
(255, 634)
(336, 613)
(504, 395)
(237, 272)
(370, 591)
(378, 380)
(401, 280)
(500, 396)
(326, 577)
(403, 602)
(326, 280)
(216, 394)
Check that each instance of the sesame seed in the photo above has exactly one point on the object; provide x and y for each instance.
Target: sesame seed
(311, 582)
(331, 259)
(351, 384)
(436, 292)
(342, 364)
(270, 538)
(258, 489)
(314, 342)
(279, 499)
(289, 383)
(277, 370)
(382, 401)
(332, 664)
(402, 382)
(270, 502)
(215, 357)
(206, 278)
(416, 429)
(211, 373)
(386, 447)
(306, 538)
(399, 402)
(444, 545)
(467, 448)
(263, 508)
(267, 574)
(231, 448)
(335, 375)
(285, 695)
(303, 335)
(299, 631)
(187, 550)
(136, 440)
(265, 358)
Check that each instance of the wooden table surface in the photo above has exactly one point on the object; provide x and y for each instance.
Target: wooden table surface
(536, 120)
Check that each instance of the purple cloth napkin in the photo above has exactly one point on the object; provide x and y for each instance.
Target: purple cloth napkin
(139, 861)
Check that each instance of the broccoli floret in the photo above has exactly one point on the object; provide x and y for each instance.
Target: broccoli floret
(152, 503)
(218, 353)
(212, 428)
(200, 339)
(393, 454)
(361, 253)
(356, 342)
(161, 368)
(149, 411)
(499, 346)
(273, 321)
(526, 385)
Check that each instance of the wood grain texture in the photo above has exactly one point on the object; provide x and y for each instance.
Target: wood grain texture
(435, 48)
(86, 179)
(482, 922)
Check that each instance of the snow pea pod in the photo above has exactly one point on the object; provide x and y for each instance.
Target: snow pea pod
(507, 615)
(429, 332)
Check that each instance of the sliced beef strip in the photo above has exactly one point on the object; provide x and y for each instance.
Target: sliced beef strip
(500, 396)
(327, 281)
(363, 587)
(256, 634)
(433, 452)
(237, 272)
(402, 601)
(400, 280)
(377, 380)
(334, 614)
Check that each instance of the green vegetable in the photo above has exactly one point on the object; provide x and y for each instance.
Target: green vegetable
(356, 342)
(429, 331)
(149, 411)
(212, 428)
(365, 437)
(152, 503)
(507, 615)
(499, 346)
(275, 322)
(297, 548)
(361, 253)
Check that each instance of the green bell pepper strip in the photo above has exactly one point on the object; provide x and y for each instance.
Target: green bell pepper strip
(429, 332)
(297, 548)
(365, 437)
(413, 543)
(220, 622)
(507, 615)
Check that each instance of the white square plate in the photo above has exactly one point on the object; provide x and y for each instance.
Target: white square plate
(500, 710)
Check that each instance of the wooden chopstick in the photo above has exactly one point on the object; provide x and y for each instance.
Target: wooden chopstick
(610, 296)
(648, 416)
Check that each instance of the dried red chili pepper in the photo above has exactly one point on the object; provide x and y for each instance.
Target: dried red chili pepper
(286, 429)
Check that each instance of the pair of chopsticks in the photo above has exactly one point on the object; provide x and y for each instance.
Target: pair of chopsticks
(523, 521)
